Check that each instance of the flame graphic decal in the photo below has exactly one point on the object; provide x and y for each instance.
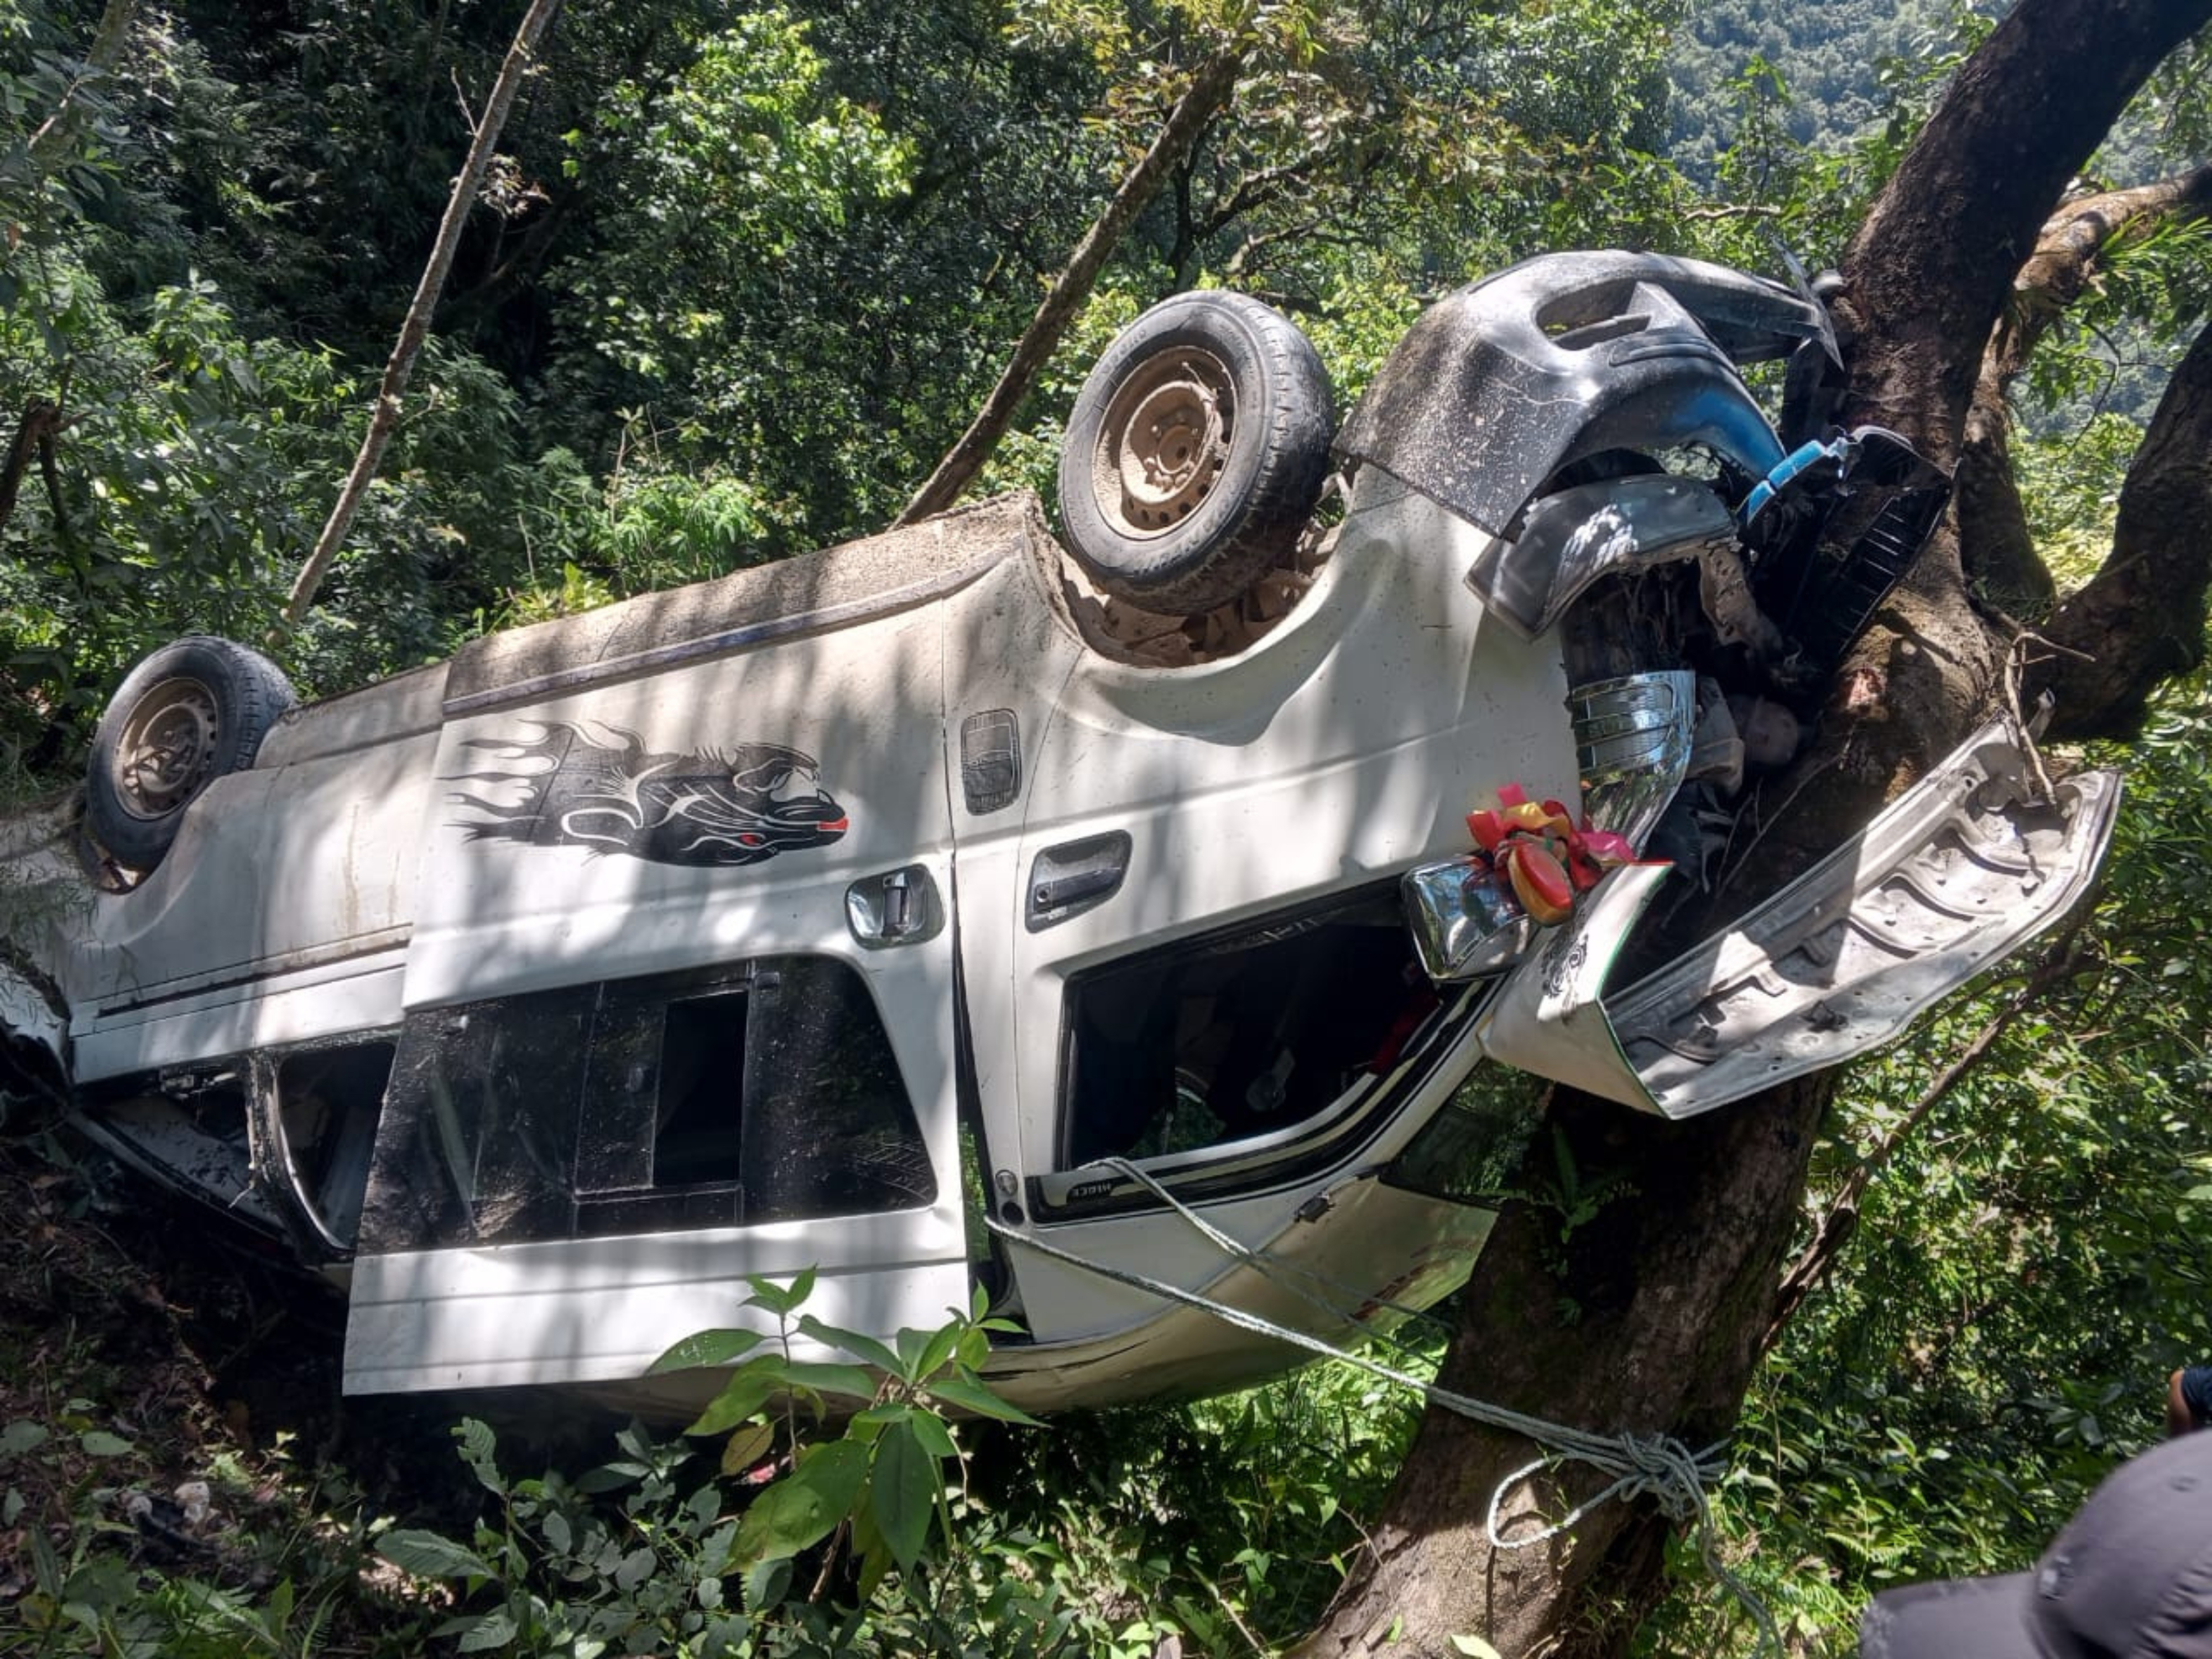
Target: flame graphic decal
(718, 807)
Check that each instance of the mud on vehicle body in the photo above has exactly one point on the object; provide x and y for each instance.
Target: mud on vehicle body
(929, 911)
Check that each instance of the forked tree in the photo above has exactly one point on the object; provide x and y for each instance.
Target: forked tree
(1968, 253)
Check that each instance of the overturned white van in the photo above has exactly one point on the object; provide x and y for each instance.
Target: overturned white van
(944, 909)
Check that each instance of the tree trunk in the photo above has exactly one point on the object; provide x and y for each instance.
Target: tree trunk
(2141, 619)
(1646, 1318)
(1995, 547)
(415, 327)
(1930, 268)
(1208, 92)
(32, 432)
(1651, 1316)
(58, 132)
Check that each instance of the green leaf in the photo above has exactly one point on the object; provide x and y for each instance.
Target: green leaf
(747, 1446)
(926, 1354)
(807, 1505)
(852, 1342)
(478, 1447)
(636, 1567)
(767, 1582)
(936, 1438)
(745, 1393)
(712, 1347)
(714, 1557)
(902, 1491)
(98, 1443)
(21, 1437)
(973, 1348)
(780, 1300)
(1475, 1647)
(495, 1630)
(703, 1506)
(825, 1378)
(45, 1566)
(427, 1555)
(969, 1394)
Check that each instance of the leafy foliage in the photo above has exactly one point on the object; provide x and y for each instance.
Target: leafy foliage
(738, 278)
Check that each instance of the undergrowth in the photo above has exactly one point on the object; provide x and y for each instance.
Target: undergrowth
(147, 1507)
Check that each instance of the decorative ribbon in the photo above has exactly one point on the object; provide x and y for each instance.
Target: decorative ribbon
(1538, 853)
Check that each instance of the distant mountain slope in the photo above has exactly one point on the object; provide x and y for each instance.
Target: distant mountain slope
(1829, 52)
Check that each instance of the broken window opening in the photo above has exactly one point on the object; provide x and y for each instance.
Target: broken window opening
(698, 1124)
(1215, 1042)
(328, 1100)
(1470, 1153)
(187, 1128)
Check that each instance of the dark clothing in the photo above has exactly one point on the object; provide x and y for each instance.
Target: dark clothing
(2197, 1395)
(2129, 1578)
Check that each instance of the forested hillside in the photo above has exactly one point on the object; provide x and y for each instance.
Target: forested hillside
(1829, 69)
(737, 279)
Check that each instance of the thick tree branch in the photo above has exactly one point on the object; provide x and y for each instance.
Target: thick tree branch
(1208, 92)
(59, 132)
(2140, 620)
(1258, 189)
(37, 423)
(1994, 544)
(1935, 260)
(50, 471)
(520, 57)
(1926, 278)
(2070, 251)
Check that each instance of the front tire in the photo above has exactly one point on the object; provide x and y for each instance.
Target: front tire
(1195, 453)
(190, 712)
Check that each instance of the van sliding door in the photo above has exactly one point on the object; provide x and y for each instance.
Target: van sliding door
(678, 1011)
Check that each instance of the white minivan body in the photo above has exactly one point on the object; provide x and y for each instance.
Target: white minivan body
(885, 913)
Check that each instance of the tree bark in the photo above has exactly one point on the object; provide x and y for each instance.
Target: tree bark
(1208, 92)
(415, 327)
(1931, 265)
(59, 132)
(1671, 1289)
(2140, 620)
(1646, 1318)
(32, 433)
(1995, 547)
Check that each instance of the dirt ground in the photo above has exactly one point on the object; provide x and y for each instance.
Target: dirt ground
(142, 1350)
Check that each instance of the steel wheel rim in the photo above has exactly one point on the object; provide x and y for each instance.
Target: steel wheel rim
(167, 748)
(1163, 442)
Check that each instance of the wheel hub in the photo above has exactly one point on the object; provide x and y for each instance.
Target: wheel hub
(168, 746)
(1164, 441)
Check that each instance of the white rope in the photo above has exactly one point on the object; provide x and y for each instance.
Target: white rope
(1658, 1466)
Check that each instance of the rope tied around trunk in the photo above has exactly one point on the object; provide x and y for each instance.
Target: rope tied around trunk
(1658, 1466)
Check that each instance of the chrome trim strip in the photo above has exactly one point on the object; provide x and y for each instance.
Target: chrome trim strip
(1633, 747)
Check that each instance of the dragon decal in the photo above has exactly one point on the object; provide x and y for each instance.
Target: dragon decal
(719, 807)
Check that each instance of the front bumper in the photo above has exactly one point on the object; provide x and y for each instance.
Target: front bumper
(1962, 870)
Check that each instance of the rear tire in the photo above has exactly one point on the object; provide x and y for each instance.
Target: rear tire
(1195, 453)
(190, 712)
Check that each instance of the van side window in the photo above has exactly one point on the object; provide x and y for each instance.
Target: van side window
(1217, 1040)
(763, 1092)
